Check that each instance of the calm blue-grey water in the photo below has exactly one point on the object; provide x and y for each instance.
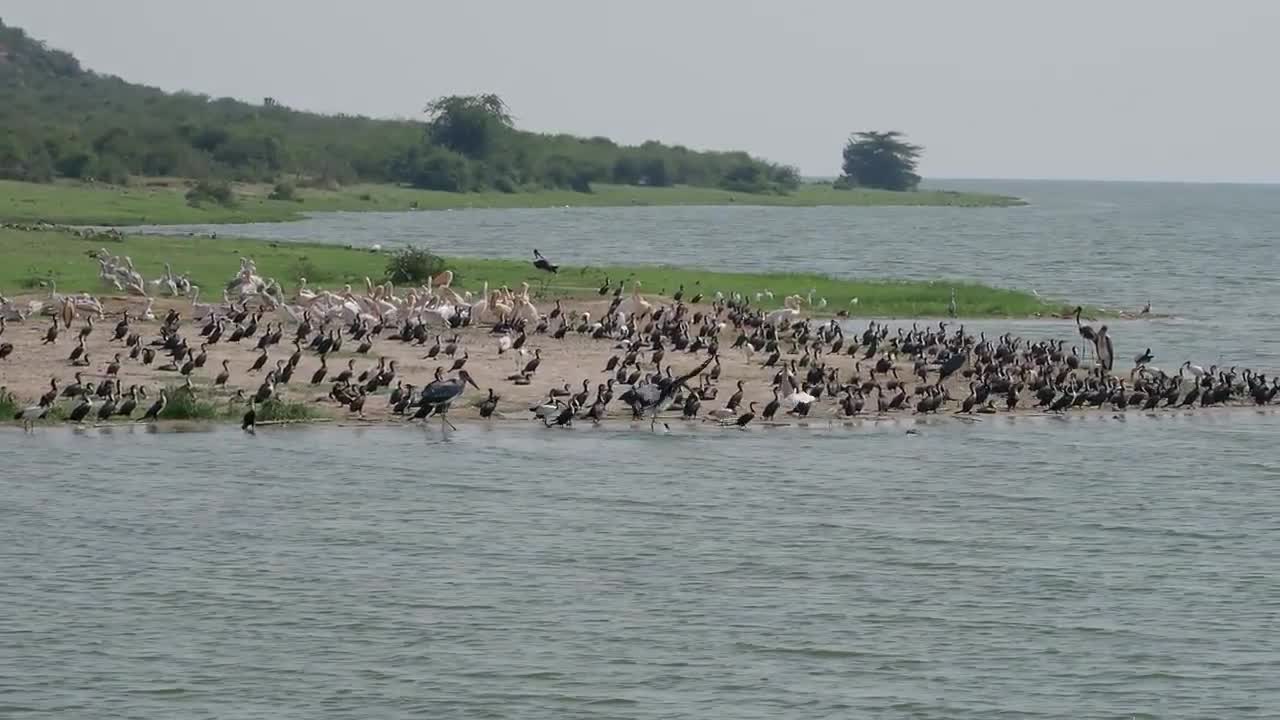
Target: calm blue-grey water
(1193, 250)
(1206, 254)
(1007, 568)
(1086, 568)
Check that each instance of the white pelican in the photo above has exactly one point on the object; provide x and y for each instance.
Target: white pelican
(200, 310)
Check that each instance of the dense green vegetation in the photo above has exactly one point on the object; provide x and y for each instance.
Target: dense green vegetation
(880, 160)
(187, 404)
(63, 121)
(35, 258)
(9, 405)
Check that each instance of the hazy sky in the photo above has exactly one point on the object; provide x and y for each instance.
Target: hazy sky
(1111, 89)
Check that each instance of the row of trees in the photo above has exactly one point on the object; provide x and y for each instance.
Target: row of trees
(63, 121)
(471, 143)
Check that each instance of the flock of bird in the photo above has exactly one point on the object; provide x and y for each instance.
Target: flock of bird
(789, 364)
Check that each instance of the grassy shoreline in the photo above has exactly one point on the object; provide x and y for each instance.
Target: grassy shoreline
(162, 201)
(33, 258)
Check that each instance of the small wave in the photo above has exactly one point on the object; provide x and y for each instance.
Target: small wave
(816, 652)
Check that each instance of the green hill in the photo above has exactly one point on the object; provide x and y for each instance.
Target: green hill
(62, 120)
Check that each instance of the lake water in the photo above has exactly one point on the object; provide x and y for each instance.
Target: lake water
(1013, 567)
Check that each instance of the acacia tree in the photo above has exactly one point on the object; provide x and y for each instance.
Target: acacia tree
(880, 160)
(468, 124)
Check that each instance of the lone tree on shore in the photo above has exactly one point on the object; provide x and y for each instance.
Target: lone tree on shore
(883, 160)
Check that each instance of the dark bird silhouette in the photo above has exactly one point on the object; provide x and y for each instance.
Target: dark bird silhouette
(82, 410)
(489, 405)
(257, 364)
(655, 397)
(438, 396)
(544, 264)
(772, 408)
(249, 422)
(318, 376)
(130, 404)
(223, 376)
(1086, 331)
(157, 407)
(532, 366)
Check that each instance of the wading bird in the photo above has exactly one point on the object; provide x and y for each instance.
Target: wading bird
(438, 396)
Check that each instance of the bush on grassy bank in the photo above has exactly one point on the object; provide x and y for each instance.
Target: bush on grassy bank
(278, 410)
(8, 405)
(285, 190)
(414, 265)
(184, 405)
(211, 191)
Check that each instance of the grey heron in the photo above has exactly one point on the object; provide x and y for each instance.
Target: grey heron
(655, 397)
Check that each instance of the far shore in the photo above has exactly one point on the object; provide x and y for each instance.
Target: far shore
(161, 201)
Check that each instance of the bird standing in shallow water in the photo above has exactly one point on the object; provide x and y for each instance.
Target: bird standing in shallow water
(653, 398)
(439, 396)
(489, 405)
(249, 422)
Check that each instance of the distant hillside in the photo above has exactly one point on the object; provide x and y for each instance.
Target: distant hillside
(61, 120)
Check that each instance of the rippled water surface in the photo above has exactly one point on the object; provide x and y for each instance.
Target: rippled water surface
(1191, 249)
(1005, 568)
(1009, 568)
